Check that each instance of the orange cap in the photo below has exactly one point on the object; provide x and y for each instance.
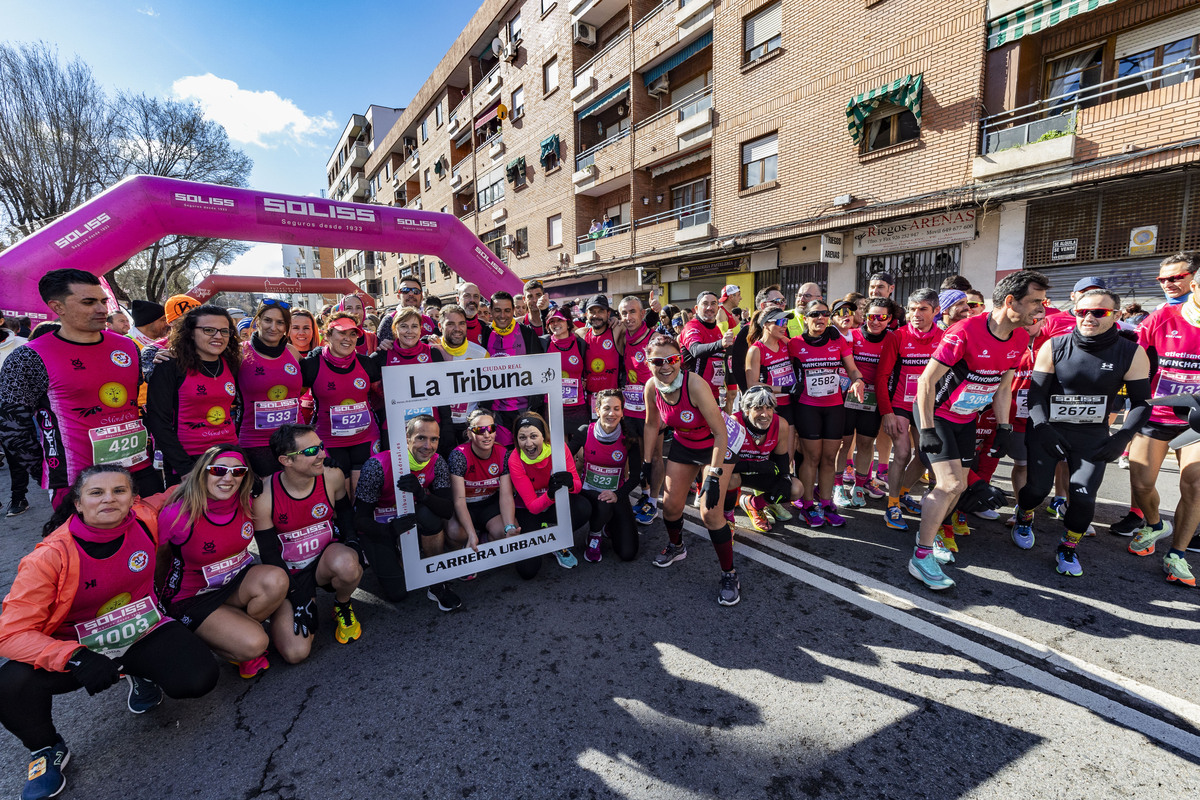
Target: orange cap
(178, 305)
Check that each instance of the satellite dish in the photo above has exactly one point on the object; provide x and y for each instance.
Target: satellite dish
(501, 112)
(497, 47)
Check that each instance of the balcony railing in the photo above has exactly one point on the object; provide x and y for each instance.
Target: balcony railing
(1055, 116)
(694, 103)
(605, 51)
(588, 157)
(587, 242)
(698, 213)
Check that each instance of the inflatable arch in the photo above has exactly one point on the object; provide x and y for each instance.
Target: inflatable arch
(215, 284)
(130, 216)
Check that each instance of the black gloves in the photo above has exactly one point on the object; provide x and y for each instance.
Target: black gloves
(1052, 441)
(1000, 441)
(93, 671)
(304, 618)
(930, 441)
(403, 524)
(711, 491)
(647, 473)
(409, 483)
(559, 480)
(1113, 446)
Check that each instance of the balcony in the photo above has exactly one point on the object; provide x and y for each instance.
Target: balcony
(600, 168)
(688, 223)
(594, 12)
(602, 69)
(358, 189)
(603, 245)
(694, 16)
(681, 127)
(496, 146)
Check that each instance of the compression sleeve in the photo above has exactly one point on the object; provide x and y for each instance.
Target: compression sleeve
(883, 374)
(783, 461)
(698, 351)
(1139, 405)
(344, 512)
(1039, 398)
(162, 416)
(269, 549)
(440, 500)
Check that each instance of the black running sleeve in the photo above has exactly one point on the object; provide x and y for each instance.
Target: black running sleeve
(1039, 398)
(1139, 405)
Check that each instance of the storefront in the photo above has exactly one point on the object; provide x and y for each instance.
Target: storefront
(919, 251)
(683, 282)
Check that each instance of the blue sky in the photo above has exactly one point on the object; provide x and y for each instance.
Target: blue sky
(283, 77)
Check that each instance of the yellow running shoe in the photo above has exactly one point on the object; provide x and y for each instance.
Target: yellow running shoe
(347, 628)
(958, 524)
(948, 538)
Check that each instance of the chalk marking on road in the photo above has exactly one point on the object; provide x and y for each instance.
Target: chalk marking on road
(891, 611)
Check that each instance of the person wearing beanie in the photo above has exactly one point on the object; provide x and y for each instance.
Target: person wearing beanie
(149, 323)
(953, 304)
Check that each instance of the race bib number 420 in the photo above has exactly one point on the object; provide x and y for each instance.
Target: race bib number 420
(123, 444)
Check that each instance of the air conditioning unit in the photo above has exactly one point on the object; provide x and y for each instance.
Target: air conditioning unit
(510, 51)
(585, 34)
(647, 277)
(660, 85)
(508, 240)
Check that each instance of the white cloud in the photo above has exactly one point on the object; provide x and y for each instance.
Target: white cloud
(148, 11)
(261, 259)
(260, 118)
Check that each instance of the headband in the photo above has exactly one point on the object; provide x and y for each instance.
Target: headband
(534, 421)
(231, 454)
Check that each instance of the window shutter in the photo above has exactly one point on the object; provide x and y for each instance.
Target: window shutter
(760, 149)
(764, 25)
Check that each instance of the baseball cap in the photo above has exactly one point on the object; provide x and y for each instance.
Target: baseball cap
(345, 324)
(773, 316)
(1090, 283)
(598, 300)
(886, 277)
(178, 305)
(729, 289)
(842, 304)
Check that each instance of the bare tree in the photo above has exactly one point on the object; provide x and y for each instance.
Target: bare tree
(54, 130)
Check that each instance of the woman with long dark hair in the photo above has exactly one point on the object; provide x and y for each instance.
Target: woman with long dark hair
(269, 384)
(192, 396)
(606, 453)
(82, 611)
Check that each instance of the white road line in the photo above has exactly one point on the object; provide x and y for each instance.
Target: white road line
(888, 602)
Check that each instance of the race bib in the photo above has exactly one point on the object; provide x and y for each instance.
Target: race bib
(1022, 404)
(1078, 408)
(781, 374)
(221, 573)
(718, 378)
(821, 383)
(737, 437)
(409, 413)
(1172, 383)
(303, 547)
(459, 411)
(600, 479)
(972, 399)
(570, 391)
(910, 388)
(271, 414)
(349, 419)
(113, 633)
(123, 444)
(843, 380)
(635, 398)
(385, 515)
(868, 402)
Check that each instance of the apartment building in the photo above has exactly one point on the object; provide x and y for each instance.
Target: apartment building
(304, 261)
(612, 145)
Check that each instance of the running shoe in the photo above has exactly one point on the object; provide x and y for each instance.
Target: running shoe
(252, 668)
(858, 497)
(842, 497)
(910, 505)
(1067, 561)
(895, 519)
(1022, 532)
(17, 507)
(929, 572)
(813, 516)
(1176, 567)
(346, 627)
(699, 496)
(925, 477)
(1143, 542)
(948, 538)
(730, 593)
(758, 520)
(1123, 462)
(1012, 520)
(959, 524)
(592, 553)
(1091, 531)
(780, 513)
(670, 554)
(876, 488)
(645, 512)
(987, 513)
(834, 519)
(143, 694)
(566, 559)
(46, 771)
(444, 596)
(1128, 525)
(1057, 509)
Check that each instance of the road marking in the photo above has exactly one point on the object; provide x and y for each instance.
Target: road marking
(889, 603)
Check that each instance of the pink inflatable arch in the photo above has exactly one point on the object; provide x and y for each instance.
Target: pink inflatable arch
(130, 216)
(215, 284)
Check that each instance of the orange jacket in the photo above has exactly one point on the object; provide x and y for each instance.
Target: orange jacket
(43, 591)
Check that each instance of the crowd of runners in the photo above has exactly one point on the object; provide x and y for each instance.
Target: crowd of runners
(211, 470)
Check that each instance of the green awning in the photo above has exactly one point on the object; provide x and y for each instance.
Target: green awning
(605, 101)
(515, 168)
(549, 147)
(1036, 16)
(905, 92)
(437, 167)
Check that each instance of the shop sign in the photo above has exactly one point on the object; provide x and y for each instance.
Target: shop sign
(721, 267)
(917, 233)
(1064, 250)
(1143, 240)
(831, 248)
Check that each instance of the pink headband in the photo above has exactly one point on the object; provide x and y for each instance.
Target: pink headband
(231, 454)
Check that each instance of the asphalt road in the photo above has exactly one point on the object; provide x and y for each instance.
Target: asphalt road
(837, 675)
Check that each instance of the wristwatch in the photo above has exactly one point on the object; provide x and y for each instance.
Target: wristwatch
(716, 471)
(509, 527)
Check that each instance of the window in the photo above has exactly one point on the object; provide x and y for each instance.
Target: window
(521, 241)
(437, 113)
(494, 240)
(554, 231)
(760, 161)
(764, 32)
(690, 201)
(890, 125)
(491, 188)
(1140, 72)
(514, 28)
(619, 214)
(547, 5)
(427, 183)
(1069, 80)
(518, 102)
(425, 130)
(550, 75)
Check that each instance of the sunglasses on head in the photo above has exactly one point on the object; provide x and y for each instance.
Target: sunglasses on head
(220, 470)
(271, 301)
(659, 361)
(878, 317)
(1097, 313)
(308, 451)
(817, 314)
(1183, 276)
(480, 430)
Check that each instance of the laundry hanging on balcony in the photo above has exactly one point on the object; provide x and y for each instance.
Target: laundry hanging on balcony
(1036, 16)
(904, 92)
(607, 101)
(549, 147)
(515, 169)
